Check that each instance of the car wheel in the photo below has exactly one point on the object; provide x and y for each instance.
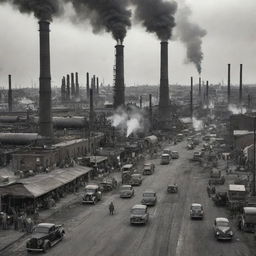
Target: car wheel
(46, 247)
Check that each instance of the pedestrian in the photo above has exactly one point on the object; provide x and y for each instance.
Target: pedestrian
(111, 208)
(4, 221)
(15, 221)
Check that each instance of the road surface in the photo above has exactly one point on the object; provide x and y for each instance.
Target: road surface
(91, 231)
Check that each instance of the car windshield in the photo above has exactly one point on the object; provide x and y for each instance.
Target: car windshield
(146, 166)
(196, 207)
(43, 230)
(90, 190)
(138, 211)
(148, 194)
(222, 224)
(125, 188)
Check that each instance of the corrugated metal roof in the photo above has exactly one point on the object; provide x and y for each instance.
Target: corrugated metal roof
(43, 183)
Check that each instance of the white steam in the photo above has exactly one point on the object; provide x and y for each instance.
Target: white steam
(197, 124)
(131, 121)
(235, 110)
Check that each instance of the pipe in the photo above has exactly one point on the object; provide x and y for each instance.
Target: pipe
(241, 84)
(10, 93)
(45, 102)
(229, 83)
(164, 82)
(119, 88)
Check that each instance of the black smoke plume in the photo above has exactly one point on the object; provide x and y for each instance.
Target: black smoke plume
(42, 9)
(191, 35)
(109, 15)
(157, 16)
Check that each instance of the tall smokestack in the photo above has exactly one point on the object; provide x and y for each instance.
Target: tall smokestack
(229, 83)
(164, 82)
(241, 84)
(63, 89)
(73, 90)
(207, 93)
(140, 101)
(119, 94)
(200, 89)
(191, 96)
(97, 85)
(68, 87)
(10, 93)
(45, 101)
(87, 85)
(91, 114)
(150, 111)
(77, 86)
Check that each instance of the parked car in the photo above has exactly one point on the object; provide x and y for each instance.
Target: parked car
(148, 169)
(196, 211)
(139, 214)
(172, 188)
(126, 191)
(44, 236)
(136, 179)
(92, 194)
(222, 229)
(198, 156)
(108, 184)
(149, 198)
(175, 155)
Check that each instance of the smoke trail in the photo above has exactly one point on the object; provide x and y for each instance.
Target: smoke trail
(157, 16)
(109, 15)
(191, 35)
(42, 9)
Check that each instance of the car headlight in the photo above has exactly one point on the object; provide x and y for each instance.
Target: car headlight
(217, 233)
(230, 232)
(40, 242)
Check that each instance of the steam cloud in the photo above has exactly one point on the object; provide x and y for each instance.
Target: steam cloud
(109, 15)
(131, 122)
(235, 110)
(191, 35)
(42, 9)
(157, 16)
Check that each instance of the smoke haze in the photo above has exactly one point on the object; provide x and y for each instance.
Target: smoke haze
(109, 15)
(191, 35)
(157, 16)
(42, 9)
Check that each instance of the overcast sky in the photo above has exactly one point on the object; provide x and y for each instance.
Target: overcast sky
(231, 38)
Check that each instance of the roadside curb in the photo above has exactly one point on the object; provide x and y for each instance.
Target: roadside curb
(13, 242)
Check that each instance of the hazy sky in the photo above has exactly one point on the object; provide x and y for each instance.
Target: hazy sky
(231, 38)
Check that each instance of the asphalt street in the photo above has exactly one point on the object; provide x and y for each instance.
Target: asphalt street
(91, 231)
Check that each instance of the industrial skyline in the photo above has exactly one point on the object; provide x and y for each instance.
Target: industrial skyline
(80, 50)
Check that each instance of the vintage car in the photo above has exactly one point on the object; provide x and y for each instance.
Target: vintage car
(220, 198)
(108, 184)
(139, 214)
(196, 211)
(247, 220)
(148, 169)
(149, 198)
(126, 191)
(172, 188)
(92, 194)
(136, 179)
(175, 155)
(44, 236)
(165, 159)
(198, 156)
(222, 229)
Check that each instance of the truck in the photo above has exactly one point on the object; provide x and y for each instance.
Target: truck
(237, 197)
(216, 178)
(126, 173)
(247, 220)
